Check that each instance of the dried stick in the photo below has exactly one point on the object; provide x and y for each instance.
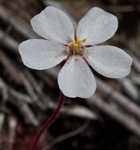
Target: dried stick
(12, 132)
(130, 88)
(18, 96)
(8, 42)
(136, 79)
(3, 90)
(10, 68)
(77, 111)
(2, 118)
(19, 24)
(119, 99)
(67, 136)
(37, 89)
(125, 119)
(29, 87)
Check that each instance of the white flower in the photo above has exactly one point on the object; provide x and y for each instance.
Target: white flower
(78, 49)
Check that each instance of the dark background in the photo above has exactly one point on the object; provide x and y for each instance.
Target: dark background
(109, 120)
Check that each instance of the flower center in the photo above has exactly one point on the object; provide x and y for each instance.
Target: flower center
(76, 48)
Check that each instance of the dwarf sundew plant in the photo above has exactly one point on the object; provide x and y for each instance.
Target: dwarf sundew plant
(78, 48)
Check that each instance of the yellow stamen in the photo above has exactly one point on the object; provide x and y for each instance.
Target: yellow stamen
(84, 40)
(76, 47)
(78, 43)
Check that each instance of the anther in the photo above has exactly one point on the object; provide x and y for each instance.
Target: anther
(75, 45)
(84, 40)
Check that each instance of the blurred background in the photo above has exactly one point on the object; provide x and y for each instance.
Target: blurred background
(108, 120)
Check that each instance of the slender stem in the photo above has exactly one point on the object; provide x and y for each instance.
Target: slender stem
(49, 122)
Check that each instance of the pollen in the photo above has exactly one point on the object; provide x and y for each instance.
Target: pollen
(76, 47)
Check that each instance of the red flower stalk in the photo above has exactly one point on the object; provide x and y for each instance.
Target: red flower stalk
(38, 139)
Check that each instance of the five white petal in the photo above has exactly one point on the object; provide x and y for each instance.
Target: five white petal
(109, 61)
(53, 24)
(97, 26)
(41, 54)
(75, 79)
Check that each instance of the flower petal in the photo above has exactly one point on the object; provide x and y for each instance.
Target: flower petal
(109, 61)
(41, 54)
(97, 26)
(75, 79)
(54, 24)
